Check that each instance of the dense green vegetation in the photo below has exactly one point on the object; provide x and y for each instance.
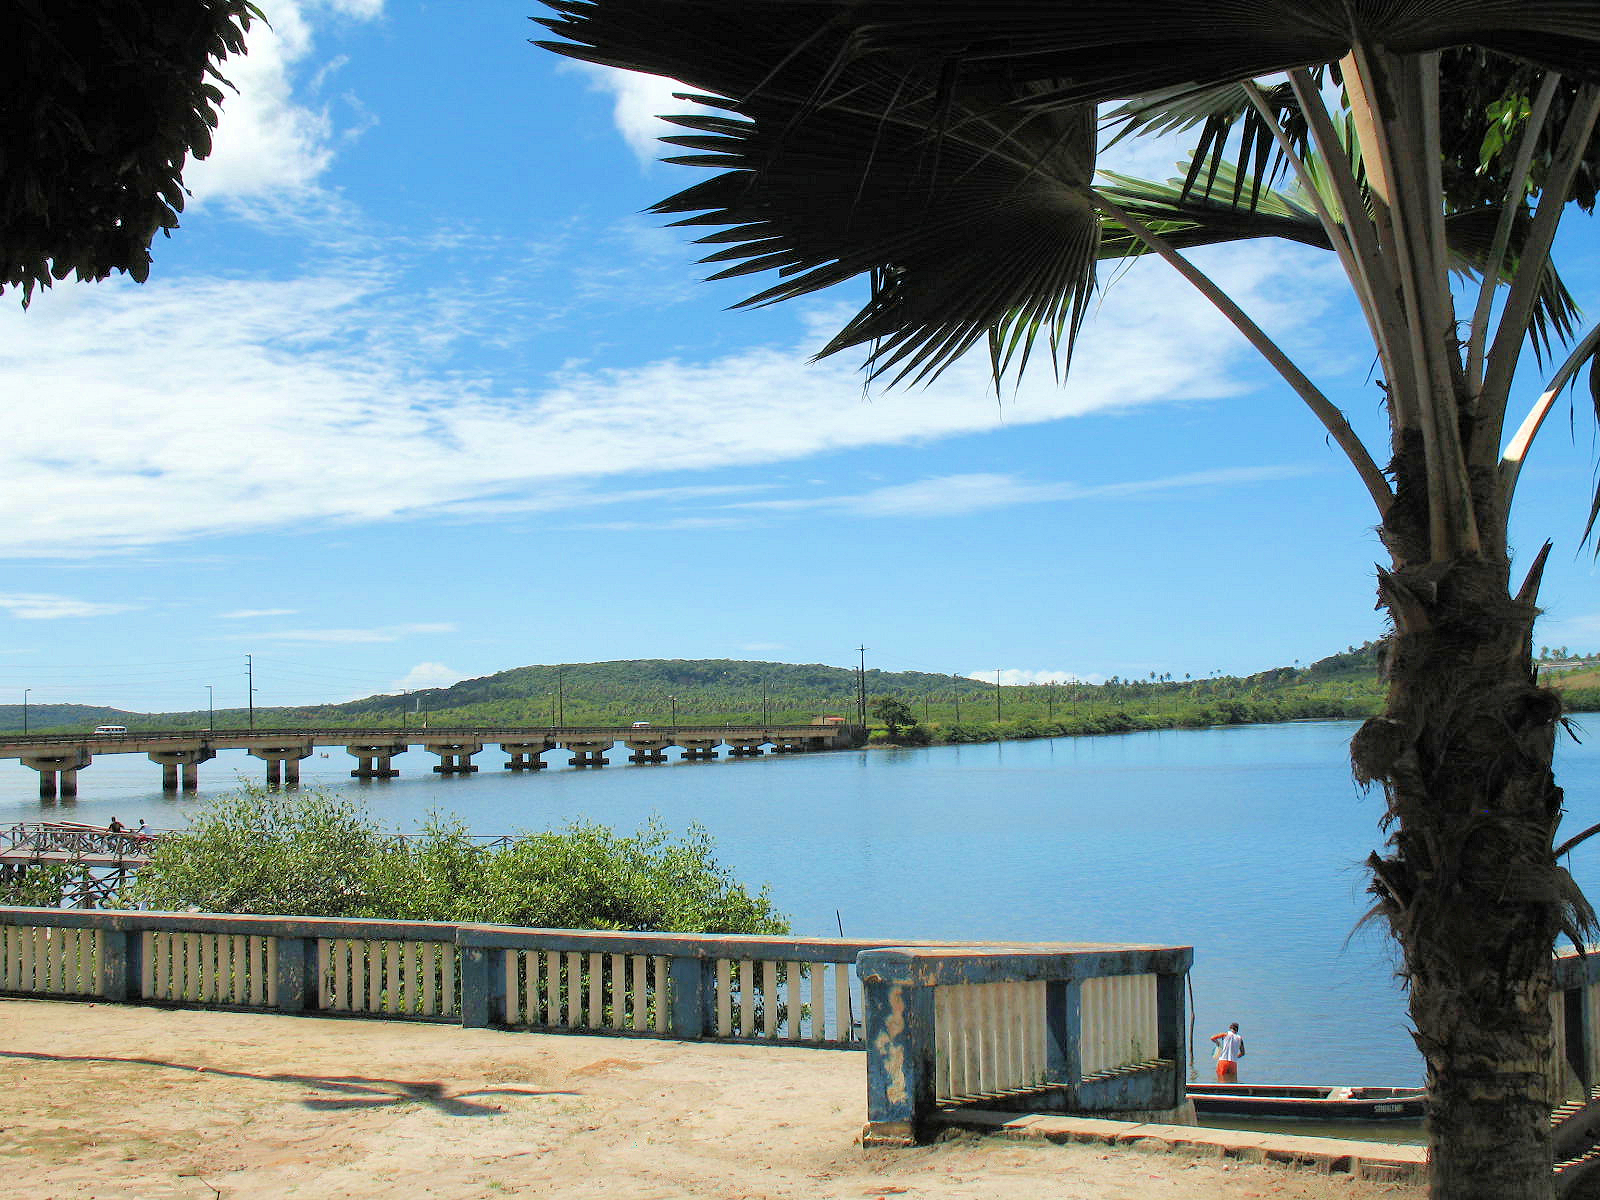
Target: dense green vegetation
(718, 691)
(312, 853)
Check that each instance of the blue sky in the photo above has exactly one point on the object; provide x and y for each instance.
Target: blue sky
(417, 394)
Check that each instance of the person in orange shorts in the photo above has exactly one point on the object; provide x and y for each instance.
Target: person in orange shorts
(1230, 1049)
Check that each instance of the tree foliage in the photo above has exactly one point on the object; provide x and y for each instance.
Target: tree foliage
(311, 853)
(103, 105)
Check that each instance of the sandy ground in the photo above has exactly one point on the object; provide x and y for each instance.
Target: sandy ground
(113, 1101)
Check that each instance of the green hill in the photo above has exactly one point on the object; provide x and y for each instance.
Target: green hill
(716, 691)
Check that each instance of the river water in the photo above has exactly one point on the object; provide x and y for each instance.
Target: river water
(1245, 843)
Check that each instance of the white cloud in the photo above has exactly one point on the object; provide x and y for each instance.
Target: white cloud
(245, 614)
(637, 102)
(382, 633)
(34, 606)
(202, 407)
(270, 143)
(427, 675)
(1022, 677)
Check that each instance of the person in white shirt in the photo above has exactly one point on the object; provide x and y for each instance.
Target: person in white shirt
(1230, 1049)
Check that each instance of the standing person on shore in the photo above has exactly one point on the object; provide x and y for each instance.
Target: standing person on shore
(1230, 1049)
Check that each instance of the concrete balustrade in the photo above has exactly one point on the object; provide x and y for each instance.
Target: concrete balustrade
(1076, 1028)
(1573, 1069)
(58, 758)
(713, 987)
(944, 1025)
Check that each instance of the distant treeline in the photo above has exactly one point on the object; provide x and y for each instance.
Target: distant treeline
(719, 691)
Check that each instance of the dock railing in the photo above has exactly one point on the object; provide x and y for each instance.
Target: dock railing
(1081, 1028)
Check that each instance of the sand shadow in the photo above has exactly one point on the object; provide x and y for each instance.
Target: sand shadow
(344, 1092)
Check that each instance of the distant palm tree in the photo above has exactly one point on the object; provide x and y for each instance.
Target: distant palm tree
(947, 150)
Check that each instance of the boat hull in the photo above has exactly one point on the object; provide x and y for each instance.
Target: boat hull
(1309, 1103)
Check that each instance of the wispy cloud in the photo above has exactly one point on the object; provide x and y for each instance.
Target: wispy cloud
(950, 495)
(35, 606)
(323, 368)
(245, 614)
(382, 633)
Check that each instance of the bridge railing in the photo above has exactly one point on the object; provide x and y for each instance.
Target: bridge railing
(335, 734)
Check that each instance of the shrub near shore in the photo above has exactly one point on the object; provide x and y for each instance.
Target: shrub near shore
(313, 853)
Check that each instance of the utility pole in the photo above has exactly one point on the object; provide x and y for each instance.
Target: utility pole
(561, 699)
(1050, 697)
(211, 708)
(861, 689)
(674, 700)
(955, 686)
(25, 692)
(765, 718)
(997, 697)
(250, 685)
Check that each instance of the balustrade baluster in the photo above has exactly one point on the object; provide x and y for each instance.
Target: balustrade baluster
(819, 1004)
(597, 992)
(724, 997)
(663, 1012)
(638, 996)
(794, 974)
(843, 1009)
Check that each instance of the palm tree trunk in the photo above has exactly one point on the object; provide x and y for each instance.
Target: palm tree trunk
(1470, 885)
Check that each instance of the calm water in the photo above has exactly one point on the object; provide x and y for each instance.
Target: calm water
(1244, 843)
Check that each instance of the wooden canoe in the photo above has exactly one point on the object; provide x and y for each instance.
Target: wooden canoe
(1307, 1102)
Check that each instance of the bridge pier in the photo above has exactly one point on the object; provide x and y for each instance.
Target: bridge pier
(283, 762)
(695, 749)
(588, 752)
(745, 747)
(647, 750)
(373, 759)
(524, 756)
(455, 758)
(58, 773)
(172, 759)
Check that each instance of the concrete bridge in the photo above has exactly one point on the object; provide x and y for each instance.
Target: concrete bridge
(179, 753)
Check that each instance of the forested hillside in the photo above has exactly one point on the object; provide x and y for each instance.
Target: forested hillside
(717, 691)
